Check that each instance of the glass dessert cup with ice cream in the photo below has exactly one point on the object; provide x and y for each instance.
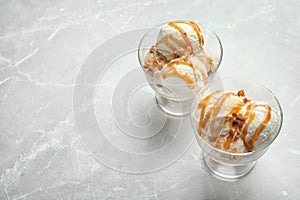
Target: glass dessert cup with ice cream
(178, 58)
(235, 122)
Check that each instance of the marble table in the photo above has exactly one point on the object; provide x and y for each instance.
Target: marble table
(43, 47)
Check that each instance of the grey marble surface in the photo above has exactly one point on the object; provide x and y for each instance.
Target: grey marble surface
(43, 45)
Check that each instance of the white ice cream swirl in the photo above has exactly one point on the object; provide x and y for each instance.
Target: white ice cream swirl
(234, 123)
(178, 56)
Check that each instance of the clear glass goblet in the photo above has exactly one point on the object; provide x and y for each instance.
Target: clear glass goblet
(230, 165)
(176, 99)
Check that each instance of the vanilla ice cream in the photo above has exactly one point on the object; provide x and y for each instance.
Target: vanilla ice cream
(179, 39)
(235, 123)
(178, 57)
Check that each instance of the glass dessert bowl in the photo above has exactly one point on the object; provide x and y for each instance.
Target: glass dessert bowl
(178, 58)
(235, 122)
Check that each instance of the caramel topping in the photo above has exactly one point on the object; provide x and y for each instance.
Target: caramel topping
(238, 122)
(179, 62)
(197, 31)
(217, 108)
(181, 48)
(259, 129)
(187, 42)
(202, 105)
(166, 38)
(182, 32)
(165, 41)
(213, 110)
(251, 116)
(172, 71)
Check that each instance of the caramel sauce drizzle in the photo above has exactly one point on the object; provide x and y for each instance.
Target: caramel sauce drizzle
(187, 78)
(182, 32)
(238, 127)
(170, 41)
(260, 128)
(250, 114)
(197, 31)
(165, 40)
(217, 108)
(179, 62)
(213, 110)
(174, 72)
(202, 105)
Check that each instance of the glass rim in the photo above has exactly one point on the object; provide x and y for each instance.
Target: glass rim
(178, 85)
(245, 153)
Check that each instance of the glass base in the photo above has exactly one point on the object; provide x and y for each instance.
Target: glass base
(174, 107)
(228, 172)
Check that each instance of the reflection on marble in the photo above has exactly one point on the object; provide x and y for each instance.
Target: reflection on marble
(42, 47)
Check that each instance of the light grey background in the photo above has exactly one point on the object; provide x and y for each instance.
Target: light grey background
(43, 45)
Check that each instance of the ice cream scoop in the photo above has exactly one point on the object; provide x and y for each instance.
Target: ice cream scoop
(177, 39)
(177, 63)
(178, 56)
(233, 122)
